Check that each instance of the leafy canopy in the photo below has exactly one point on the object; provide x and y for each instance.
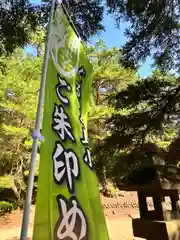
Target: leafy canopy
(154, 29)
(145, 124)
(20, 19)
(19, 80)
(109, 77)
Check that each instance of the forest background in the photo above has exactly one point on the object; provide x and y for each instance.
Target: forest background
(132, 120)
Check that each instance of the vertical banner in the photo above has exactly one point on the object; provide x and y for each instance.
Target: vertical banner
(68, 202)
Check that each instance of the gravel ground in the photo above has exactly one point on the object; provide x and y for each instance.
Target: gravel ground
(118, 212)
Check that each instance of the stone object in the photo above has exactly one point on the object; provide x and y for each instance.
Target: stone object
(157, 182)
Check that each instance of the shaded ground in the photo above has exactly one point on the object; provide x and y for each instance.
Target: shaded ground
(118, 212)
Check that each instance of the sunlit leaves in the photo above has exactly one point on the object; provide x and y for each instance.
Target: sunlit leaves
(153, 30)
(20, 81)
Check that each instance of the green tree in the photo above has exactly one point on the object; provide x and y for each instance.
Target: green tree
(37, 41)
(108, 78)
(109, 75)
(146, 124)
(86, 15)
(153, 30)
(19, 19)
(19, 80)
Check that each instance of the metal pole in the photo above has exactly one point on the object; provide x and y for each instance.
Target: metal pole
(24, 229)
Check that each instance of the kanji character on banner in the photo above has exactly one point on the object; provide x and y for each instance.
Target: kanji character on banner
(72, 223)
(87, 158)
(61, 124)
(65, 166)
(60, 86)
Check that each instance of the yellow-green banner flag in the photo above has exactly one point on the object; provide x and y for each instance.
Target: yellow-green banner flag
(68, 202)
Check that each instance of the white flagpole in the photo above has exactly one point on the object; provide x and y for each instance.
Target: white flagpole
(27, 207)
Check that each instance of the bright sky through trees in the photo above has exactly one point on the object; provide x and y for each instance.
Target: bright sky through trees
(113, 37)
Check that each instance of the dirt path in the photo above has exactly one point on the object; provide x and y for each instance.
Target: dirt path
(119, 220)
(119, 227)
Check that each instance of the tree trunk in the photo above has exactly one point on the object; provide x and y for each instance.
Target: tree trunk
(38, 50)
(97, 96)
(103, 182)
(97, 93)
(110, 3)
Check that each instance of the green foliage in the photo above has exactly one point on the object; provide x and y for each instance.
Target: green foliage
(145, 124)
(18, 20)
(153, 104)
(109, 77)
(86, 16)
(153, 29)
(6, 182)
(6, 207)
(22, 23)
(20, 81)
(130, 122)
(36, 172)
